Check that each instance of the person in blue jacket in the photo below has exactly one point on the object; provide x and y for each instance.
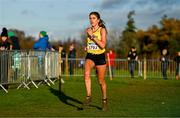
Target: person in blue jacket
(43, 42)
(41, 46)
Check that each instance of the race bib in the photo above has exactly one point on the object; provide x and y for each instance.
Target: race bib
(92, 46)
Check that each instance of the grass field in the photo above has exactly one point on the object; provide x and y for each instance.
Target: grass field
(127, 97)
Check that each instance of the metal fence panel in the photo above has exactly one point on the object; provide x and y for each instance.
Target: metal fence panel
(26, 67)
(121, 69)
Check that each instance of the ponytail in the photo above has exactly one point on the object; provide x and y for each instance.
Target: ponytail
(102, 24)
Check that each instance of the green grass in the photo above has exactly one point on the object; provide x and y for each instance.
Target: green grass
(127, 97)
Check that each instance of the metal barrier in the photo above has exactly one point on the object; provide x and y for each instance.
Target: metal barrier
(28, 67)
(155, 69)
(146, 69)
(120, 69)
(34, 67)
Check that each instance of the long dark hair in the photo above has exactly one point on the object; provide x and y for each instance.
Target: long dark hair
(101, 22)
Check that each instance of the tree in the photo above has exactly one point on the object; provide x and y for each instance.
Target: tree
(113, 40)
(131, 23)
(155, 39)
(170, 34)
(25, 42)
(129, 36)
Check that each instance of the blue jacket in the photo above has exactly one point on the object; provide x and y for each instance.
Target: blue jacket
(42, 44)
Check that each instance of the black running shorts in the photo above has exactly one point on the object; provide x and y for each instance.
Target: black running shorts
(98, 59)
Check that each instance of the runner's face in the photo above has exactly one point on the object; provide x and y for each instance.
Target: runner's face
(93, 20)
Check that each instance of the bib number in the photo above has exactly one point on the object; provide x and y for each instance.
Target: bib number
(92, 46)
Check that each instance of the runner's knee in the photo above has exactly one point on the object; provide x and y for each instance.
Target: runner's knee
(101, 82)
(87, 74)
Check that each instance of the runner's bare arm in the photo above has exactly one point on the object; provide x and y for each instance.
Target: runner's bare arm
(101, 43)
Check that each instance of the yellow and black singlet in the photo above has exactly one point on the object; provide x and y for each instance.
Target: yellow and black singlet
(92, 47)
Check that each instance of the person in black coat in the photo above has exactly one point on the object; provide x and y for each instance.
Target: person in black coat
(63, 58)
(4, 55)
(177, 60)
(4, 42)
(164, 63)
(16, 54)
(71, 57)
(132, 58)
(15, 41)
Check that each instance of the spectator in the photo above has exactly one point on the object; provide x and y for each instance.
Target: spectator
(14, 40)
(177, 60)
(132, 58)
(164, 63)
(42, 45)
(43, 42)
(16, 55)
(111, 63)
(71, 56)
(63, 58)
(4, 45)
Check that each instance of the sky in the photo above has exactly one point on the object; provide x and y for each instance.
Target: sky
(67, 18)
